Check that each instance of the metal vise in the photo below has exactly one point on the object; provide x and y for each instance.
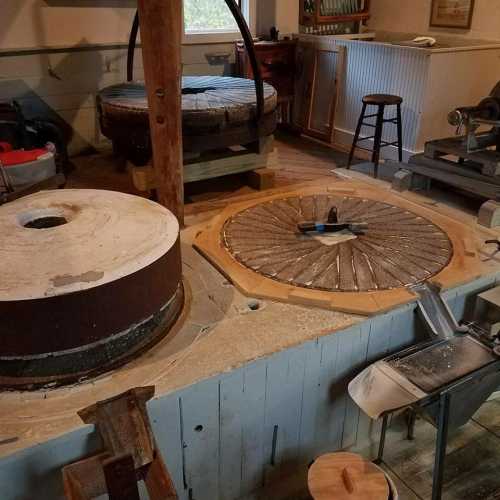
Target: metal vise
(487, 113)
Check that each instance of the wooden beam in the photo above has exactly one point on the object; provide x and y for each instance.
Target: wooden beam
(161, 32)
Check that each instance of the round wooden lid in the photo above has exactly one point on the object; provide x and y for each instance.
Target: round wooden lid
(58, 242)
(346, 476)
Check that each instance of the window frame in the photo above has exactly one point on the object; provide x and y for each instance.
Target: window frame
(249, 11)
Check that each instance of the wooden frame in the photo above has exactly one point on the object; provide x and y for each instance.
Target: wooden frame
(318, 134)
(464, 265)
(308, 54)
(467, 5)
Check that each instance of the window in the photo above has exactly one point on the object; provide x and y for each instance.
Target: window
(211, 21)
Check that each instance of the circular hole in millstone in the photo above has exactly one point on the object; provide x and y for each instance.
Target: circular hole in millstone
(47, 217)
(46, 222)
(198, 428)
(253, 305)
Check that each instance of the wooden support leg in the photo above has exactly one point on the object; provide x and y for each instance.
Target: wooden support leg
(379, 126)
(400, 134)
(161, 36)
(263, 145)
(402, 180)
(120, 478)
(489, 214)
(260, 179)
(356, 135)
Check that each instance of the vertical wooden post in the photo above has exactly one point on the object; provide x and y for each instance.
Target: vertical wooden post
(161, 36)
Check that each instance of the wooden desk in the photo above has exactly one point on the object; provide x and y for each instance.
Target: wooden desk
(277, 62)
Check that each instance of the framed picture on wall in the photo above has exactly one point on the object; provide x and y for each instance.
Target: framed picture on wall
(452, 14)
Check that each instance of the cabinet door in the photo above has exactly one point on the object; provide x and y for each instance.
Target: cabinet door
(318, 89)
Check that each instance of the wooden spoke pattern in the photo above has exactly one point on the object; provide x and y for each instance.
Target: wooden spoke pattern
(399, 248)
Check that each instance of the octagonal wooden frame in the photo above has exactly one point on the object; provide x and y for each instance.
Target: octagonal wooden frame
(463, 267)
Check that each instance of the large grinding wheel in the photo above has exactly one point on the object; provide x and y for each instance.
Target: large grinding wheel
(398, 248)
(88, 279)
(217, 112)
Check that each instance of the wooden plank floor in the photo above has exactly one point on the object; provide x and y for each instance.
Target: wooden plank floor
(473, 455)
(300, 160)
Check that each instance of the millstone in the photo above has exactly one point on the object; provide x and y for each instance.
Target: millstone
(398, 248)
(89, 279)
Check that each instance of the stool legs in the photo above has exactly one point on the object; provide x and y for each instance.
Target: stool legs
(356, 135)
(379, 125)
(400, 134)
(378, 143)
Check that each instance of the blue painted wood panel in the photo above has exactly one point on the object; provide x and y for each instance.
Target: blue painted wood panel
(229, 436)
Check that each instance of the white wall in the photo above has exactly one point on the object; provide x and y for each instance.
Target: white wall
(284, 14)
(412, 16)
(36, 23)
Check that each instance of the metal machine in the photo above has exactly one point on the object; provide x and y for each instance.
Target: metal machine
(446, 378)
(470, 161)
(472, 118)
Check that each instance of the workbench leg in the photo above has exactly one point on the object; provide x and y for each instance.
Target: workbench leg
(400, 134)
(356, 136)
(441, 442)
(411, 419)
(381, 445)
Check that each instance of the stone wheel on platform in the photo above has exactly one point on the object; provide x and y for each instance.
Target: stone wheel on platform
(256, 243)
(217, 112)
(398, 248)
(89, 280)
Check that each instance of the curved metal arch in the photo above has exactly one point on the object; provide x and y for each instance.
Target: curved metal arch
(247, 39)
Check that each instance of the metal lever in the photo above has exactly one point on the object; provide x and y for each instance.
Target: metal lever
(332, 225)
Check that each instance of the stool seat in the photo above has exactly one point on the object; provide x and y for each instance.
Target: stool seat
(382, 99)
(346, 476)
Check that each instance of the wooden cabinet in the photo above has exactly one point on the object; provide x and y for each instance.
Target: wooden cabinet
(277, 63)
(320, 71)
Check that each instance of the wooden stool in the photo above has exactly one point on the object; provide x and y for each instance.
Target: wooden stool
(346, 476)
(381, 101)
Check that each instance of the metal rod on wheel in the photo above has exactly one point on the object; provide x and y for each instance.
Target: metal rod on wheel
(248, 40)
(131, 47)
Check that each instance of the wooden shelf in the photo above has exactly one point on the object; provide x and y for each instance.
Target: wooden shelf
(360, 16)
(316, 18)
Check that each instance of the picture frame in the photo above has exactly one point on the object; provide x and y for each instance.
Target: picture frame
(452, 14)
